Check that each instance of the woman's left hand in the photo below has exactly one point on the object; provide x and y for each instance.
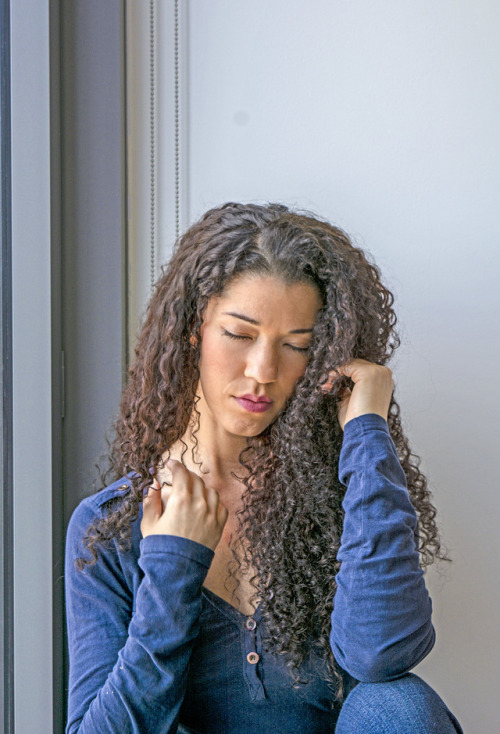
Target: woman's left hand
(372, 391)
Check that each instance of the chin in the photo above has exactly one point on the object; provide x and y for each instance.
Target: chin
(251, 429)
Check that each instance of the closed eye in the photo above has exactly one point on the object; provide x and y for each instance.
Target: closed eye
(297, 349)
(229, 334)
(235, 336)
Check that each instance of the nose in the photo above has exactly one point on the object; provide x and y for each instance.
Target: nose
(262, 364)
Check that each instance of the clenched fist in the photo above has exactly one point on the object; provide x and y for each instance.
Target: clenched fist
(187, 508)
(372, 391)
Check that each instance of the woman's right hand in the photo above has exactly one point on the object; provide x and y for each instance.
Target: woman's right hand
(187, 508)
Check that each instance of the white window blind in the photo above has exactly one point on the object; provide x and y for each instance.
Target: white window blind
(157, 150)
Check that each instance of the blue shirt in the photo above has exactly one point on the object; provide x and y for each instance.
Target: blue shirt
(152, 650)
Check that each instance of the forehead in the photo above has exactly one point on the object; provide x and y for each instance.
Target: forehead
(267, 299)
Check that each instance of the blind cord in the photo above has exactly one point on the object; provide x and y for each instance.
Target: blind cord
(152, 141)
(152, 124)
(176, 113)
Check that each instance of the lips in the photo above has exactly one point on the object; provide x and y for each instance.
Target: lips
(254, 403)
(256, 398)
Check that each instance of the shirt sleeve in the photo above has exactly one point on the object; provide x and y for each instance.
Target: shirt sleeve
(129, 656)
(381, 621)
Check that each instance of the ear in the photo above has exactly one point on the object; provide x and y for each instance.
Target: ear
(193, 340)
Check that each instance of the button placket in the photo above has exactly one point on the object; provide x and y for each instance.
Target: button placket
(251, 668)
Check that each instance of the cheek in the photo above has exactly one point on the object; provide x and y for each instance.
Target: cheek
(214, 359)
(296, 372)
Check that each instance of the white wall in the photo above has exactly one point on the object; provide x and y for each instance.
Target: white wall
(383, 117)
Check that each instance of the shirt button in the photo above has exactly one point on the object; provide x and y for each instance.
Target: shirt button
(250, 623)
(253, 658)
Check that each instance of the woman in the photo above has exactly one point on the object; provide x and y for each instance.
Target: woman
(257, 554)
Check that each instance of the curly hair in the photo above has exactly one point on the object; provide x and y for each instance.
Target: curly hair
(291, 516)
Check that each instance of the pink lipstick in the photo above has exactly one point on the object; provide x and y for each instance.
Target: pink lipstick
(254, 403)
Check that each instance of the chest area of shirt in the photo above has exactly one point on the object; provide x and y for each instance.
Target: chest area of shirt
(228, 580)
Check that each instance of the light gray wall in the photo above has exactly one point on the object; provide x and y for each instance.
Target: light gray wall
(93, 232)
(68, 282)
(384, 117)
(32, 439)
(92, 252)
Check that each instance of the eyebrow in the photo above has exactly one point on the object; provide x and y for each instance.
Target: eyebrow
(254, 321)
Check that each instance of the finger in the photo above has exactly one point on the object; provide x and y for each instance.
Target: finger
(198, 488)
(222, 514)
(181, 476)
(334, 377)
(152, 490)
(327, 386)
(354, 369)
(166, 492)
(346, 370)
(212, 499)
(152, 500)
(164, 472)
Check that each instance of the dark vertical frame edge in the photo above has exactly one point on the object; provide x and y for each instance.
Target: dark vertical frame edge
(125, 195)
(59, 655)
(6, 545)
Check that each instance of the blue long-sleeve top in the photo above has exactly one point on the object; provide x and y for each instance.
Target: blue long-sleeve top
(152, 650)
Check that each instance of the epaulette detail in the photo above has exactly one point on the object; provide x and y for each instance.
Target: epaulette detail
(116, 490)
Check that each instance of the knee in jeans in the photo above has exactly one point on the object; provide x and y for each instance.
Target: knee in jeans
(405, 705)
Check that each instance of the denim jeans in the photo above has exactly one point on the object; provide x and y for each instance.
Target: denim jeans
(406, 705)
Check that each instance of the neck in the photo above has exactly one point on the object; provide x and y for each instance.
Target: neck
(215, 461)
(217, 448)
(206, 454)
(213, 454)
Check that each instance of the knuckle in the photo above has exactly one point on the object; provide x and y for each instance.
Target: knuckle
(198, 483)
(180, 486)
(199, 505)
(177, 502)
(177, 467)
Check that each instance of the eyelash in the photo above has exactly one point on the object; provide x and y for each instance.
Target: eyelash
(302, 350)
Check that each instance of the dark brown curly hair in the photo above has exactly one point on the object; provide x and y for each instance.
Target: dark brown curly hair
(291, 516)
